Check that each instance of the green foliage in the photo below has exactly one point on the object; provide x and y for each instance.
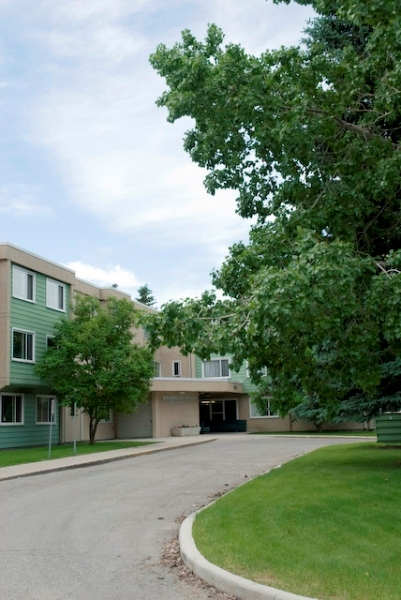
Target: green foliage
(309, 137)
(145, 295)
(94, 362)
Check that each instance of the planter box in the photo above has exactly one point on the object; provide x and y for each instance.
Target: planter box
(388, 428)
(183, 431)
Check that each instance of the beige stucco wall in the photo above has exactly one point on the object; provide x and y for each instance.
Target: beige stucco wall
(166, 356)
(171, 409)
(105, 431)
(36, 263)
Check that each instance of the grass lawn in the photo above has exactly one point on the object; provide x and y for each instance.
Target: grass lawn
(357, 432)
(19, 456)
(326, 525)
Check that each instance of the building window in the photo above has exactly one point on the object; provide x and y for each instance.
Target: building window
(50, 341)
(157, 368)
(45, 409)
(217, 367)
(23, 284)
(255, 413)
(12, 409)
(55, 295)
(23, 345)
(108, 418)
(176, 368)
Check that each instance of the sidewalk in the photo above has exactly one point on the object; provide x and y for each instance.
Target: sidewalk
(76, 462)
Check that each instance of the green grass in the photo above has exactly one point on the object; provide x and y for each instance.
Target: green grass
(19, 456)
(357, 432)
(326, 525)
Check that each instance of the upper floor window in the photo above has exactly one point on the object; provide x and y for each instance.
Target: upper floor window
(23, 284)
(45, 409)
(55, 295)
(23, 345)
(217, 367)
(176, 368)
(157, 368)
(12, 409)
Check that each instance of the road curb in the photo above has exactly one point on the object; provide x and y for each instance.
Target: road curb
(242, 588)
(81, 462)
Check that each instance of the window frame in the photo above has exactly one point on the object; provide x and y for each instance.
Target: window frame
(176, 363)
(13, 423)
(269, 414)
(52, 283)
(48, 397)
(108, 419)
(158, 368)
(25, 295)
(219, 360)
(24, 332)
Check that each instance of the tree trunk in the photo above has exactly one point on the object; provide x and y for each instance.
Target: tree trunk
(92, 431)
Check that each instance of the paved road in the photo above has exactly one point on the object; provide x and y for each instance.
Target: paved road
(97, 533)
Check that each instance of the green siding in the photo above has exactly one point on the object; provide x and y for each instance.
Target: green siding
(35, 317)
(239, 376)
(28, 434)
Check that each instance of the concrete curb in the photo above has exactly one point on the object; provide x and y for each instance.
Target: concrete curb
(89, 460)
(223, 580)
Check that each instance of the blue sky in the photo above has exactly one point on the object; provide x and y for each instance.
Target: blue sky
(91, 174)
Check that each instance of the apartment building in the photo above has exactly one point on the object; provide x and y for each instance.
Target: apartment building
(34, 294)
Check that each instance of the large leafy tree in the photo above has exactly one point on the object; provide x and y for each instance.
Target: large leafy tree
(309, 137)
(94, 363)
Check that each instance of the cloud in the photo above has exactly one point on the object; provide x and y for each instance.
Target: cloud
(16, 201)
(126, 280)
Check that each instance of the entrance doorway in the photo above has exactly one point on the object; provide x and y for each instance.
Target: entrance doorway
(215, 414)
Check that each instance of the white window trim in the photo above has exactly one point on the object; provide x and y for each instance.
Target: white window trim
(8, 423)
(26, 272)
(55, 411)
(59, 284)
(176, 362)
(217, 360)
(268, 416)
(23, 360)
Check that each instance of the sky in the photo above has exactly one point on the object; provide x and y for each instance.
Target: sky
(91, 174)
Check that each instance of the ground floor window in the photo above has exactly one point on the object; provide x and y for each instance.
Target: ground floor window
(12, 409)
(45, 409)
(256, 413)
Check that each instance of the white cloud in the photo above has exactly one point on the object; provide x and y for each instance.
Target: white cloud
(126, 280)
(18, 202)
(84, 120)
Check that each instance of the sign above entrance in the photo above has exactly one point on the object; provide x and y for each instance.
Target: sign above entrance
(174, 398)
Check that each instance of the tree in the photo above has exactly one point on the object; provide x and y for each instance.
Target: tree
(94, 362)
(145, 295)
(309, 137)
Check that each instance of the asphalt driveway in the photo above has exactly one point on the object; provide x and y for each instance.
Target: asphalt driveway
(97, 533)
